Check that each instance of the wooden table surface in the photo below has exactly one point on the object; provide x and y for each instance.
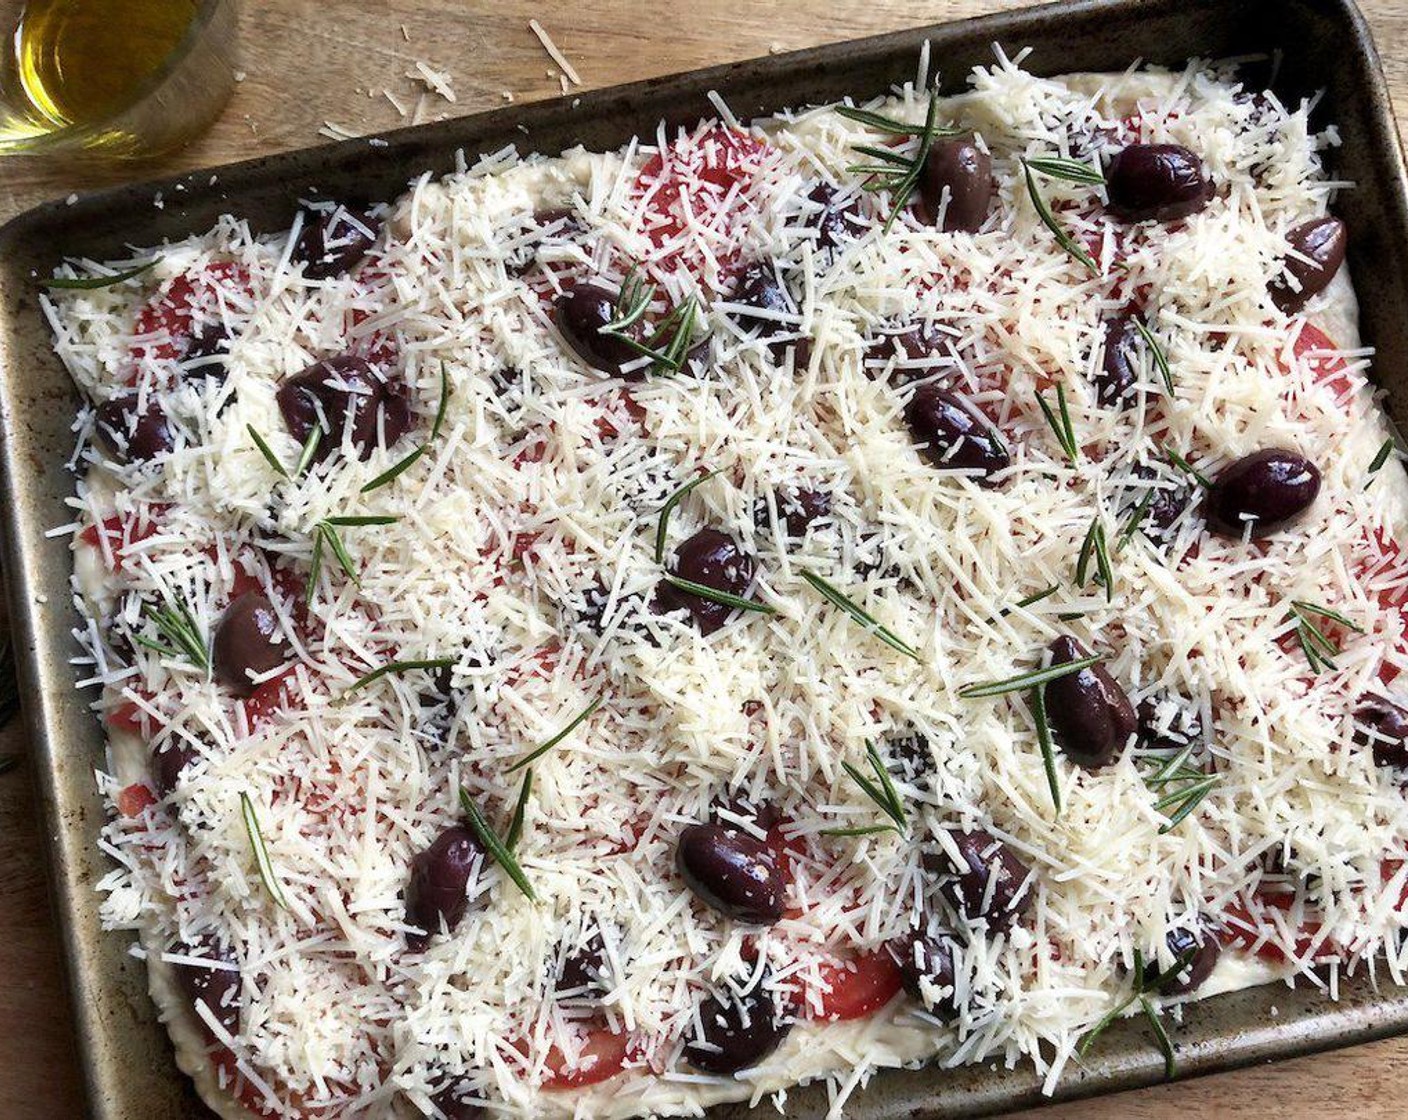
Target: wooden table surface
(325, 66)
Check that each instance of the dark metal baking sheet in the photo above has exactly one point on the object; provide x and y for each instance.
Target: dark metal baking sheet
(126, 1055)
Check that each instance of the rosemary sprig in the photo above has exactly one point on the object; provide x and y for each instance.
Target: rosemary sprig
(261, 853)
(496, 847)
(1143, 985)
(1319, 648)
(1064, 239)
(1380, 458)
(1187, 797)
(181, 635)
(1096, 546)
(94, 283)
(670, 340)
(561, 735)
(515, 823)
(896, 173)
(881, 791)
(1186, 467)
(400, 667)
(411, 458)
(1060, 421)
(860, 615)
(1048, 750)
(663, 524)
(1156, 352)
(1024, 681)
(715, 596)
(325, 534)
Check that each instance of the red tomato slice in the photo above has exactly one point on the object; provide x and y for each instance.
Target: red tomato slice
(168, 320)
(134, 800)
(1239, 930)
(1327, 369)
(270, 698)
(620, 413)
(696, 181)
(855, 987)
(601, 1057)
(116, 534)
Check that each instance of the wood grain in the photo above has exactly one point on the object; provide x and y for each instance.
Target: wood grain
(309, 63)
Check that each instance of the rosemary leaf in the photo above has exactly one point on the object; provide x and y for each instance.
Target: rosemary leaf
(315, 567)
(266, 450)
(860, 830)
(1161, 1035)
(400, 667)
(561, 735)
(1063, 238)
(878, 122)
(339, 551)
(715, 596)
(515, 824)
(1302, 607)
(1048, 751)
(1156, 352)
(1186, 467)
(444, 404)
(1024, 681)
(1380, 458)
(884, 155)
(94, 283)
(887, 785)
(495, 846)
(1194, 797)
(1070, 170)
(1135, 519)
(348, 522)
(1109, 1017)
(1060, 421)
(866, 620)
(663, 524)
(395, 470)
(261, 853)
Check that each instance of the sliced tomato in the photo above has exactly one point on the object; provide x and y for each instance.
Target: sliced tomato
(167, 322)
(115, 534)
(270, 698)
(620, 414)
(602, 1056)
(134, 800)
(1315, 348)
(1239, 929)
(696, 180)
(132, 717)
(855, 987)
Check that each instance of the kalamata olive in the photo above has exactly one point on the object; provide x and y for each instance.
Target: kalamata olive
(1264, 490)
(1091, 715)
(1119, 367)
(344, 394)
(962, 170)
(1161, 181)
(924, 956)
(1317, 251)
(797, 508)
(584, 970)
(457, 1101)
(435, 894)
(205, 355)
(170, 756)
(247, 642)
(988, 882)
(833, 224)
(759, 287)
(915, 348)
(954, 435)
(137, 432)
(1382, 725)
(715, 560)
(580, 315)
(334, 239)
(1200, 949)
(1168, 723)
(1171, 497)
(731, 871)
(736, 1031)
(217, 985)
(733, 806)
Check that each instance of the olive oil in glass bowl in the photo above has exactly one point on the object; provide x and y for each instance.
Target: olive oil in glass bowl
(121, 78)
